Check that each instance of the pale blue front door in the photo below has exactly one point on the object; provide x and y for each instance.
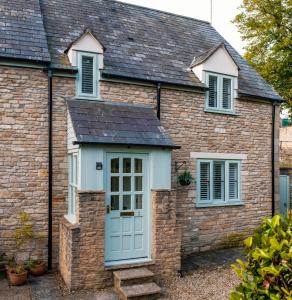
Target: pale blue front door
(127, 207)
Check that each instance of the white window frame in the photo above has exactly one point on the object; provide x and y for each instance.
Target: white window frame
(73, 179)
(226, 200)
(219, 101)
(95, 94)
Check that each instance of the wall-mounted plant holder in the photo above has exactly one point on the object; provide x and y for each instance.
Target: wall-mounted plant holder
(179, 165)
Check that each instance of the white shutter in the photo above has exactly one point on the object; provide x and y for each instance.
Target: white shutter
(226, 93)
(204, 181)
(213, 85)
(87, 67)
(233, 181)
(218, 180)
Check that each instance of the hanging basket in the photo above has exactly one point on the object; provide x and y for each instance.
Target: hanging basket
(184, 182)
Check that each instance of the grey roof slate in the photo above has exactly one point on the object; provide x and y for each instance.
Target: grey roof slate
(117, 123)
(22, 33)
(140, 43)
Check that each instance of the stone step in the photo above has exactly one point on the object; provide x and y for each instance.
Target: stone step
(140, 291)
(132, 276)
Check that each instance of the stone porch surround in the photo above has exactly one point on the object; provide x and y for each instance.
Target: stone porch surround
(81, 259)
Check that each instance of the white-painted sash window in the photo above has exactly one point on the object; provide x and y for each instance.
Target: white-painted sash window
(218, 182)
(87, 81)
(220, 96)
(73, 186)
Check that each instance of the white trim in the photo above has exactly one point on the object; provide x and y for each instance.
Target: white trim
(71, 218)
(96, 75)
(210, 155)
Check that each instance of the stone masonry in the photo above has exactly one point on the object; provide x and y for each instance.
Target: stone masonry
(23, 173)
(82, 248)
(24, 154)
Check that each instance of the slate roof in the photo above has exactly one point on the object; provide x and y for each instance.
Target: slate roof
(22, 33)
(117, 123)
(140, 43)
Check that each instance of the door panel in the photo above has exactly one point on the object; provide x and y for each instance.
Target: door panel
(284, 194)
(127, 207)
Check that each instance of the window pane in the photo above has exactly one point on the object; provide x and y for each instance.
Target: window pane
(218, 180)
(138, 201)
(205, 181)
(114, 184)
(115, 165)
(233, 181)
(126, 202)
(127, 165)
(212, 101)
(138, 165)
(75, 170)
(87, 75)
(127, 183)
(226, 96)
(138, 183)
(115, 202)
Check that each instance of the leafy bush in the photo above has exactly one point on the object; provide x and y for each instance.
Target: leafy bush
(267, 273)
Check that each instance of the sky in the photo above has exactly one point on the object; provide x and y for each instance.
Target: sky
(223, 12)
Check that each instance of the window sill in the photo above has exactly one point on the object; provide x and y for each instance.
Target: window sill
(205, 205)
(87, 98)
(218, 111)
(71, 219)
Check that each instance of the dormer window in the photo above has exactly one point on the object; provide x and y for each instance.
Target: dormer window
(220, 95)
(217, 69)
(86, 53)
(87, 82)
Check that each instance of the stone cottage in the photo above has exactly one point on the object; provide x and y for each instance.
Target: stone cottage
(103, 105)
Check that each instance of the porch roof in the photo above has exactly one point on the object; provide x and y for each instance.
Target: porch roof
(97, 122)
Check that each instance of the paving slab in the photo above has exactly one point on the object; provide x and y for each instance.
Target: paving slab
(209, 259)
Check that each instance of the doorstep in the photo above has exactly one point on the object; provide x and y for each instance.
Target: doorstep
(129, 265)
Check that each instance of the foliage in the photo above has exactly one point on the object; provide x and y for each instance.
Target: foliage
(19, 269)
(267, 273)
(25, 233)
(186, 176)
(266, 26)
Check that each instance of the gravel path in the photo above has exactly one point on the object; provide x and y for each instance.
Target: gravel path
(203, 284)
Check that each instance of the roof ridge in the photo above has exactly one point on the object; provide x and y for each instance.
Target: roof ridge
(159, 10)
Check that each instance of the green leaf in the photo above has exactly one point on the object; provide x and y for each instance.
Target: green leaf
(248, 242)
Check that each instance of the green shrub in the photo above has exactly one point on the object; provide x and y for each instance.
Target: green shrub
(267, 273)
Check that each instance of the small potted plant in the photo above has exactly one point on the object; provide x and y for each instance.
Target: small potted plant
(18, 275)
(185, 178)
(37, 267)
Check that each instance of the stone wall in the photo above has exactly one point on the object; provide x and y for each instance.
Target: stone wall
(166, 234)
(23, 155)
(247, 132)
(82, 245)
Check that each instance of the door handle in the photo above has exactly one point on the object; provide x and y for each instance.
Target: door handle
(107, 209)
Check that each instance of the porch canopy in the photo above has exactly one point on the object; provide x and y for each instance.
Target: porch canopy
(97, 122)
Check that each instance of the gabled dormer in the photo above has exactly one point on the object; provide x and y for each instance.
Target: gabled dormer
(218, 70)
(86, 53)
